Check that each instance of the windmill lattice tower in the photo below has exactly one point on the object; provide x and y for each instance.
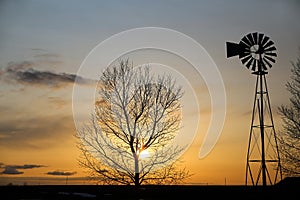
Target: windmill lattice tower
(257, 52)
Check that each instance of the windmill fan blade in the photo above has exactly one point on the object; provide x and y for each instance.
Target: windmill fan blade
(255, 37)
(270, 43)
(232, 49)
(260, 38)
(269, 64)
(246, 59)
(263, 65)
(244, 50)
(244, 53)
(246, 41)
(250, 38)
(271, 54)
(249, 63)
(254, 65)
(264, 41)
(269, 58)
(244, 47)
(270, 49)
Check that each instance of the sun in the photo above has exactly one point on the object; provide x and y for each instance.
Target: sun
(144, 154)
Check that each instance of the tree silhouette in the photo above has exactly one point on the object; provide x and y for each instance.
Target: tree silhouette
(289, 137)
(135, 113)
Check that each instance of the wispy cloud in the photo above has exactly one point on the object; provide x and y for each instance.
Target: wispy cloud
(61, 173)
(47, 55)
(14, 169)
(42, 56)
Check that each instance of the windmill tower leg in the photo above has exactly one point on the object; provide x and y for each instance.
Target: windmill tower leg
(263, 161)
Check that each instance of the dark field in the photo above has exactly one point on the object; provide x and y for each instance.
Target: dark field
(286, 188)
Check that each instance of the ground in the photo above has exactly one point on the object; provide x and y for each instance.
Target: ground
(286, 188)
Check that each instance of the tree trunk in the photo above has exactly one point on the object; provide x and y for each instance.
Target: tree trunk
(137, 170)
(137, 179)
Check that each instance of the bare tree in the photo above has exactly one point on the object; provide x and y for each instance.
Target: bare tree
(289, 138)
(129, 137)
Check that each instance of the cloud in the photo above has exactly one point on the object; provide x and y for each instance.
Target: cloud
(26, 166)
(35, 71)
(11, 170)
(14, 169)
(35, 77)
(61, 173)
(25, 73)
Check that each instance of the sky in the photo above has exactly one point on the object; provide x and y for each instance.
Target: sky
(44, 43)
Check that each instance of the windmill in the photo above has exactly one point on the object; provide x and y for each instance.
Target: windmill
(257, 52)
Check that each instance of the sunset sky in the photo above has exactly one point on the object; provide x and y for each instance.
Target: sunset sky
(44, 43)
